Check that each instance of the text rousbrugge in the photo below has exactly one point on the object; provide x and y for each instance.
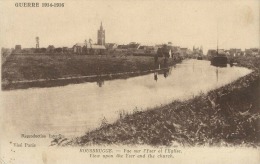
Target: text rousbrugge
(132, 153)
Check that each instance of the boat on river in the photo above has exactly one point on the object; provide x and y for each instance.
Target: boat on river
(220, 60)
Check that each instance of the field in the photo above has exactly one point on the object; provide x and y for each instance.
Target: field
(22, 68)
(228, 116)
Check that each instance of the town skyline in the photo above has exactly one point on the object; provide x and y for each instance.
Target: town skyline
(185, 24)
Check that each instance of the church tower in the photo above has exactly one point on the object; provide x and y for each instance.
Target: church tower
(101, 36)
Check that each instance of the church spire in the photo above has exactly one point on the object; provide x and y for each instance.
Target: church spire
(101, 27)
(101, 35)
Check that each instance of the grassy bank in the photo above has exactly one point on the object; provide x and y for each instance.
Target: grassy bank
(26, 67)
(226, 116)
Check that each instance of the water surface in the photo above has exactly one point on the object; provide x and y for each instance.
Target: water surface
(77, 108)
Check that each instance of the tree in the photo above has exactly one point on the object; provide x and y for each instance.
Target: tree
(43, 50)
(58, 50)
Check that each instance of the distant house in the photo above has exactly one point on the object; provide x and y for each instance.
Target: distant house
(211, 52)
(198, 50)
(18, 48)
(78, 48)
(252, 52)
(168, 50)
(88, 49)
(96, 49)
(122, 48)
(111, 46)
(184, 50)
(133, 46)
(145, 50)
(28, 50)
(221, 52)
(235, 52)
(50, 48)
(256, 51)
(227, 52)
(175, 49)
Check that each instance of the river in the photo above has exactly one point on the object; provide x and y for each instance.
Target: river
(75, 109)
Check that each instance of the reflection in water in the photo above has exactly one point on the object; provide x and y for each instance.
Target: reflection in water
(155, 76)
(165, 72)
(100, 82)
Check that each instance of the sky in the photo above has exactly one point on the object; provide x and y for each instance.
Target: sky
(234, 23)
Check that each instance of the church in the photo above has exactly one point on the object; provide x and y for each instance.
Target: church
(87, 48)
(101, 36)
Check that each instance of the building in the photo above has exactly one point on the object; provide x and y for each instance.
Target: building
(234, 52)
(145, 50)
(28, 50)
(198, 50)
(175, 49)
(122, 48)
(88, 48)
(101, 36)
(111, 46)
(211, 52)
(18, 48)
(252, 52)
(184, 50)
(50, 48)
(133, 47)
(78, 48)
(96, 50)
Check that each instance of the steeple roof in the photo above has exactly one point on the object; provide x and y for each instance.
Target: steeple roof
(101, 27)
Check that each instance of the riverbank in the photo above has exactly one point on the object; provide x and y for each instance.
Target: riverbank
(22, 71)
(228, 116)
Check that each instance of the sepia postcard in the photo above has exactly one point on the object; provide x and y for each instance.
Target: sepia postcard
(120, 81)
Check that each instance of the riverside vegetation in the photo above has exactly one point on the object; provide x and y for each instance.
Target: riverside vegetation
(227, 116)
(40, 70)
